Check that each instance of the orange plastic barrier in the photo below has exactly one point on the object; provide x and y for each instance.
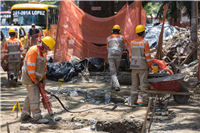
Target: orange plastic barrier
(77, 30)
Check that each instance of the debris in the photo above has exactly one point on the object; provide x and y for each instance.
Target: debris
(77, 125)
(119, 127)
(25, 126)
(58, 118)
(180, 48)
(73, 94)
(107, 98)
(132, 116)
(92, 122)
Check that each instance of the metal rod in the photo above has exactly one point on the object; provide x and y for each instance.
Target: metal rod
(8, 129)
(53, 119)
(154, 107)
(167, 101)
(17, 109)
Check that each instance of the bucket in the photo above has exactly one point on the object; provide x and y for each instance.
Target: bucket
(155, 67)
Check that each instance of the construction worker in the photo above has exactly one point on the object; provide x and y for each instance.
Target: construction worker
(33, 72)
(12, 49)
(115, 45)
(140, 59)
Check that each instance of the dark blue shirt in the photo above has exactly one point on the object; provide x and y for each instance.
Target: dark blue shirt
(31, 31)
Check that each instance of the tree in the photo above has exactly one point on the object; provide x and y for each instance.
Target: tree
(8, 4)
(174, 9)
(152, 9)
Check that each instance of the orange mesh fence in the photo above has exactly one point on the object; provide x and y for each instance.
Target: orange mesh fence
(77, 31)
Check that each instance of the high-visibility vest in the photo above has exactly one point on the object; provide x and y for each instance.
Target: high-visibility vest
(39, 71)
(13, 51)
(138, 60)
(115, 47)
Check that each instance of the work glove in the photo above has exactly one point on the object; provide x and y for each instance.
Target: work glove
(5, 61)
(150, 69)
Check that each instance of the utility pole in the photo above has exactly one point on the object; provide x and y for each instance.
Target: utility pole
(194, 19)
(194, 25)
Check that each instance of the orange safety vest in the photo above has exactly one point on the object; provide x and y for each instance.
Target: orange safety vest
(140, 56)
(34, 66)
(115, 44)
(12, 50)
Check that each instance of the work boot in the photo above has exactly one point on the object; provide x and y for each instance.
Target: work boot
(14, 82)
(42, 121)
(117, 89)
(112, 87)
(12, 76)
(128, 100)
(27, 118)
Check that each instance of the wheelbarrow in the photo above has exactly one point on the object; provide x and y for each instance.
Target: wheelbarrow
(171, 85)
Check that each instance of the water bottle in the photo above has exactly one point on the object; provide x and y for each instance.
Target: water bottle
(155, 67)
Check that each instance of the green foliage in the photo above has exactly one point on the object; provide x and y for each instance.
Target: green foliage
(49, 2)
(9, 4)
(152, 9)
(174, 9)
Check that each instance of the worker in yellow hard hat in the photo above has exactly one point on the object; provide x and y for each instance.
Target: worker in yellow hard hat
(13, 49)
(140, 59)
(115, 44)
(33, 72)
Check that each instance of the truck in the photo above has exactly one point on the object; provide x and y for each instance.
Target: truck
(5, 18)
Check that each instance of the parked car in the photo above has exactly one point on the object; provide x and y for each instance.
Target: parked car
(5, 17)
(21, 34)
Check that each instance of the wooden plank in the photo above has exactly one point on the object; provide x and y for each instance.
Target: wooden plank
(166, 92)
(145, 120)
(160, 40)
(196, 46)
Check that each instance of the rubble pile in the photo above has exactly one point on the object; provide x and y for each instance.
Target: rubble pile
(119, 127)
(190, 69)
(94, 96)
(161, 115)
(178, 49)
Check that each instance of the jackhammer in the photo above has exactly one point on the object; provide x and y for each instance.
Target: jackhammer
(45, 100)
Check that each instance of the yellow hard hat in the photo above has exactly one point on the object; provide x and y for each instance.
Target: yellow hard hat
(49, 42)
(116, 27)
(12, 30)
(139, 29)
